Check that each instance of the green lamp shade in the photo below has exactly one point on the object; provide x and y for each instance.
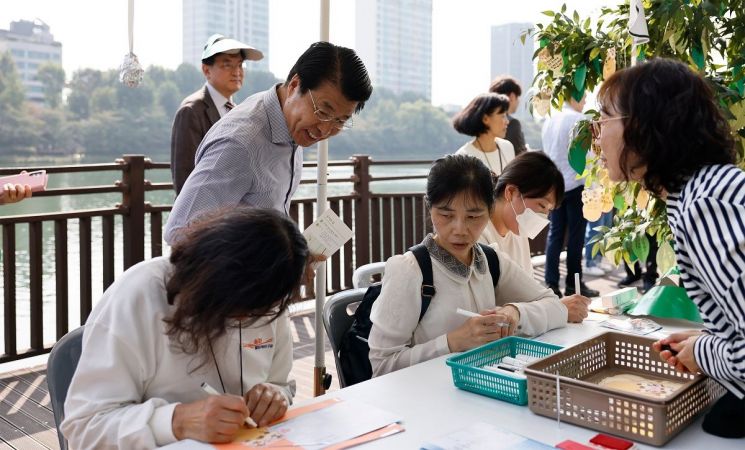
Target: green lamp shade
(667, 301)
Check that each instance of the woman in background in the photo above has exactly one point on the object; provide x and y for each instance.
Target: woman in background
(485, 118)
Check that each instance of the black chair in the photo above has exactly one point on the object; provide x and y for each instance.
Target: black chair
(337, 320)
(63, 360)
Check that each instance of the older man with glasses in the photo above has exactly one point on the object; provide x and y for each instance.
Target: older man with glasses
(254, 155)
(222, 66)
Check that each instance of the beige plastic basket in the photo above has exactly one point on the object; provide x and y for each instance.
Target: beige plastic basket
(632, 416)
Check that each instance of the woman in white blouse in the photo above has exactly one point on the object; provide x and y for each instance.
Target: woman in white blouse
(485, 118)
(460, 198)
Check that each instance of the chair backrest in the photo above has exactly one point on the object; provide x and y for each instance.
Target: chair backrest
(337, 320)
(63, 360)
(362, 276)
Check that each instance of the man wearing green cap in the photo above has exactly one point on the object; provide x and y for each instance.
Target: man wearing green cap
(222, 66)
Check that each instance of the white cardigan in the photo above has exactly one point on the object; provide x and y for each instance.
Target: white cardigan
(130, 378)
(398, 341)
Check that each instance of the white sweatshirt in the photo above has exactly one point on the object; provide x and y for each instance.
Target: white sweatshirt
(512, 245)
(130, 378)
(398, 341)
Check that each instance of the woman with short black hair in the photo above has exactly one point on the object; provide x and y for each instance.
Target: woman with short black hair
(213, 312)
(485, 118)
(661, 126)
(460, 198)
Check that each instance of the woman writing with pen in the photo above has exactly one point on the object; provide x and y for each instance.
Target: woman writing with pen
(460, 198)
(214, 313)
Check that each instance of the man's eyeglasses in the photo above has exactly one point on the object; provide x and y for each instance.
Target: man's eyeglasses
(323, 116)
(230, 67)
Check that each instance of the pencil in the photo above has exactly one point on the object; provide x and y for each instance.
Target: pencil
(211, 391)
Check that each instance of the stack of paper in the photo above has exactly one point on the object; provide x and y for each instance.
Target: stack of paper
(331, 424)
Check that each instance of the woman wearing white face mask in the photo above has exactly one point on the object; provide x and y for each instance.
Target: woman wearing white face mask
(527, 190)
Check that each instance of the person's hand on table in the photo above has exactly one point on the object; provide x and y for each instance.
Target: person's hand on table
(682, 345)
(12, 193)
(491, 325)
(215, 419)
(578, 307)
(266, 402)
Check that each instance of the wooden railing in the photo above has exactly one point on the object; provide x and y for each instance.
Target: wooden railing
(384, 224)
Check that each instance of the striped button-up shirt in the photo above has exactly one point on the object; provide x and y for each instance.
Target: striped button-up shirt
(707, 218)
(246, 158)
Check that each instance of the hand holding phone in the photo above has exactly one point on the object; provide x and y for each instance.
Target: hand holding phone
(37, 180)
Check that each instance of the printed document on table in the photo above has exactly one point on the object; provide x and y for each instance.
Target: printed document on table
(331, 424)
(483, 436)
(327, 234)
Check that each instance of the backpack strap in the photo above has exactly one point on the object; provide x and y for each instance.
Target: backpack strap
(428, 286)
(493, 261)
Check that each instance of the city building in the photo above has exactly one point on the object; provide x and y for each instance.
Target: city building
(509, 56)
(244, 20)
(31, 44)
(394, 38)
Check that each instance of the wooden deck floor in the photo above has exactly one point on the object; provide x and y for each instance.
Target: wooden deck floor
(27, 423)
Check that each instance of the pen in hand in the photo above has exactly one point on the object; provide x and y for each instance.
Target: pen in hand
(211, 391)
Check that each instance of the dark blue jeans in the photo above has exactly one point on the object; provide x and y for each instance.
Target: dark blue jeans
(566, 218)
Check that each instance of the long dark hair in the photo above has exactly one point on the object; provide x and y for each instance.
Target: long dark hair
(673, 123)
(534, 174)
(470, 121)
(236, 263)
(457, 174)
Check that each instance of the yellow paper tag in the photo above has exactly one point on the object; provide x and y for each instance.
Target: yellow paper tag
(606, 202)
(609, 66)
(642, 199)
(592, 211)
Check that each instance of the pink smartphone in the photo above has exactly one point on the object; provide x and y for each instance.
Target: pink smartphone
(37, 180)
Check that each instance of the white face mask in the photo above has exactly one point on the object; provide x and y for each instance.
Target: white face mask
(529, 222)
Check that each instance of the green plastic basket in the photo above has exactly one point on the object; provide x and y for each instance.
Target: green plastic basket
(468, 374)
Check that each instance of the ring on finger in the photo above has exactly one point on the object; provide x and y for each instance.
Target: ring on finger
(503, 324)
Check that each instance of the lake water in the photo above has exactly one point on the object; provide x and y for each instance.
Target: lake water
(71, 203)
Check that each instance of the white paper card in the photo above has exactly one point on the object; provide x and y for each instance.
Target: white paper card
(483, 436)
(327, 234)
(338, 423)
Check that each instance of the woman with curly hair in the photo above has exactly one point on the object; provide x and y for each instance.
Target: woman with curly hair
(661, 126)
(213, 312)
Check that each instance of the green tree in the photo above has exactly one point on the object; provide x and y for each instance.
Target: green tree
(18, 130)
(188, 79)
(103, 99)
(157, 75)
(11, 89)
(84, 82)
(707, 35)
(255, 81)
(169, 98)
(134, 100)
(52, 77)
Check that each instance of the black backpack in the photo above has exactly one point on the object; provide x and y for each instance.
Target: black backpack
(354, 350)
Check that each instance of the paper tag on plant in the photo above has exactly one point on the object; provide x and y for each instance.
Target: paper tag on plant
(592, 211)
